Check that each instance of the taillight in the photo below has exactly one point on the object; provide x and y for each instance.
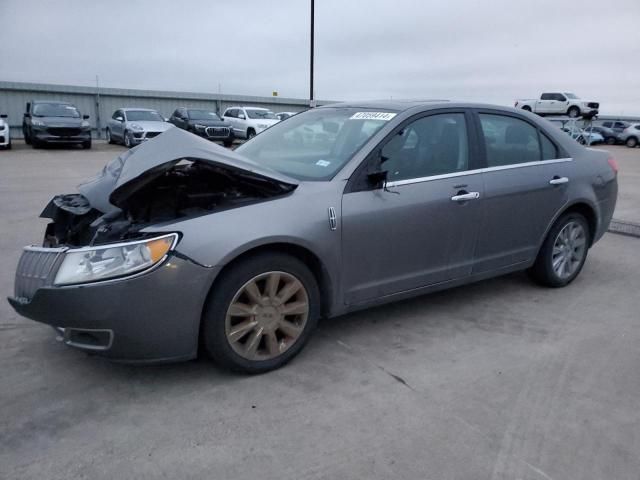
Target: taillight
(613, 164)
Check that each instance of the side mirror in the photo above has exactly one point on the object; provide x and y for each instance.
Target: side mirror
(378, 178)
(242, 117)
(85, 117)
(119, 119)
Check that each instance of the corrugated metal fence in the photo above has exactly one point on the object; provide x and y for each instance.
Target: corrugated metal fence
(101, 103)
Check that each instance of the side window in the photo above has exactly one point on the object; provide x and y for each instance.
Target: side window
(432, 145)
(560, 97)
(549, 150)
(607, 124)
(116, 114)
(547, 96)
(229, 113)
(509, 140)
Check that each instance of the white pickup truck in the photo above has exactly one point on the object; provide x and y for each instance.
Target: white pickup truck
(559, 104)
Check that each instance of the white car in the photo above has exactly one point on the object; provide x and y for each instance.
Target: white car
(552, 103)
(247, 122)
(631, 135)
(5, 136)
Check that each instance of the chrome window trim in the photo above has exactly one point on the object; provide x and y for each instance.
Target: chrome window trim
(476, 171)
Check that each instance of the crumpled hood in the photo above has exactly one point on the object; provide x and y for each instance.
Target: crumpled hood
(134, 168)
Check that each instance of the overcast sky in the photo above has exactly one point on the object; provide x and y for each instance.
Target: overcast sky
(490, 51)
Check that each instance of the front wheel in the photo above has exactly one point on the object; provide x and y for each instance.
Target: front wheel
(563, 252)
(108, 135)
(631, 142)
(573, 112)
(251, 133)
(86, 145)
(261, 313)
(128, 142)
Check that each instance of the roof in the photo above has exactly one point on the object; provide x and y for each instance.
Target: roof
(61, 102)
(128, 109)
(402, 105)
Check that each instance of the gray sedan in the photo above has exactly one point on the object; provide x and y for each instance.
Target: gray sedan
(132, 126)
(179, 242)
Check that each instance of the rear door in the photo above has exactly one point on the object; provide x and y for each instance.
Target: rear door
(422, 228)
(525, 185)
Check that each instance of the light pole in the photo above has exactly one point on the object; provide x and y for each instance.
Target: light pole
(312, 102)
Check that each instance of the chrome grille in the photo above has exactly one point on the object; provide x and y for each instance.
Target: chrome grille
(217, 131)
(36, 268)
(593, 105)
(153, 134)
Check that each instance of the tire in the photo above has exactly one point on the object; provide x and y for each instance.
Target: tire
(526, 108)
(610, 140)
(250, 133)
(631, 142)
(573, 112)
(86, 145)
(108, 135)
(266, 325)
(558, 246)
(8, 147)
(581, 140)
(36, 143)
(127, 139)
(27, 137)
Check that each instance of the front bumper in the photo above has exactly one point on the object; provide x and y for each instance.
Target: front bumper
(153, 317)
(44, 136)
(216, 134)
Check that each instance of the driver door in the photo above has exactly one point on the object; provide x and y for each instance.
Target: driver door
(422, 228)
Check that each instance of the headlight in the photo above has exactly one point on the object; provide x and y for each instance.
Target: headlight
(37, 123)
(135, 126)
(199, 126)
(85, 124)
(90, 264)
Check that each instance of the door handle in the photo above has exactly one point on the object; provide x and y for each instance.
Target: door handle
(463, 197)
(558, 180)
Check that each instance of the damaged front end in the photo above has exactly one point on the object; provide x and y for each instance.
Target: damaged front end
(105, 280)
(153, 184)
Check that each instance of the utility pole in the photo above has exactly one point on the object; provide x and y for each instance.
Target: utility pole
(312, 102)
(98, 106)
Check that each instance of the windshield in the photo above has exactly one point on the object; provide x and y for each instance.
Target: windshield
(316, 144)
(571, 96)
(264, 114)
(55, 110)
(143, 116)
(202, 115)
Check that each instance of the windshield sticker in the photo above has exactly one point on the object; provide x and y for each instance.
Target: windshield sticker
(323, 163)
(384, 116)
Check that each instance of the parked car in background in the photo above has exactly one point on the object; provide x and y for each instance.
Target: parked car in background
(132, 126)
(631, 135)
(5, 134)
(180, 244)
(617, 126)
(559, 104)
(49, 121)
(203, 123)
(583, 137)
(610, 137)
(285, 115)
(247, 122)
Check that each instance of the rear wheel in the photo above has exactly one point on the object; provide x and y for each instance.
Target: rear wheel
(631, 142)
(563, 252)
(573, 112)
(261, 313)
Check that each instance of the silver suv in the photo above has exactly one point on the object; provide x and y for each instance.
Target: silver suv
(631, 135)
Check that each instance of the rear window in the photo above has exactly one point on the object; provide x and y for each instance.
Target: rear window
(509, 140)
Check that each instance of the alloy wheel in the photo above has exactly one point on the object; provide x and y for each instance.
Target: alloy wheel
(267, 315)
(569, 250)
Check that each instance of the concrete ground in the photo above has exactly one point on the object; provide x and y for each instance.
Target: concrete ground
(498, 380)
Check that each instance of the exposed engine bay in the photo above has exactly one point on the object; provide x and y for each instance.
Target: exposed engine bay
(178, 190)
